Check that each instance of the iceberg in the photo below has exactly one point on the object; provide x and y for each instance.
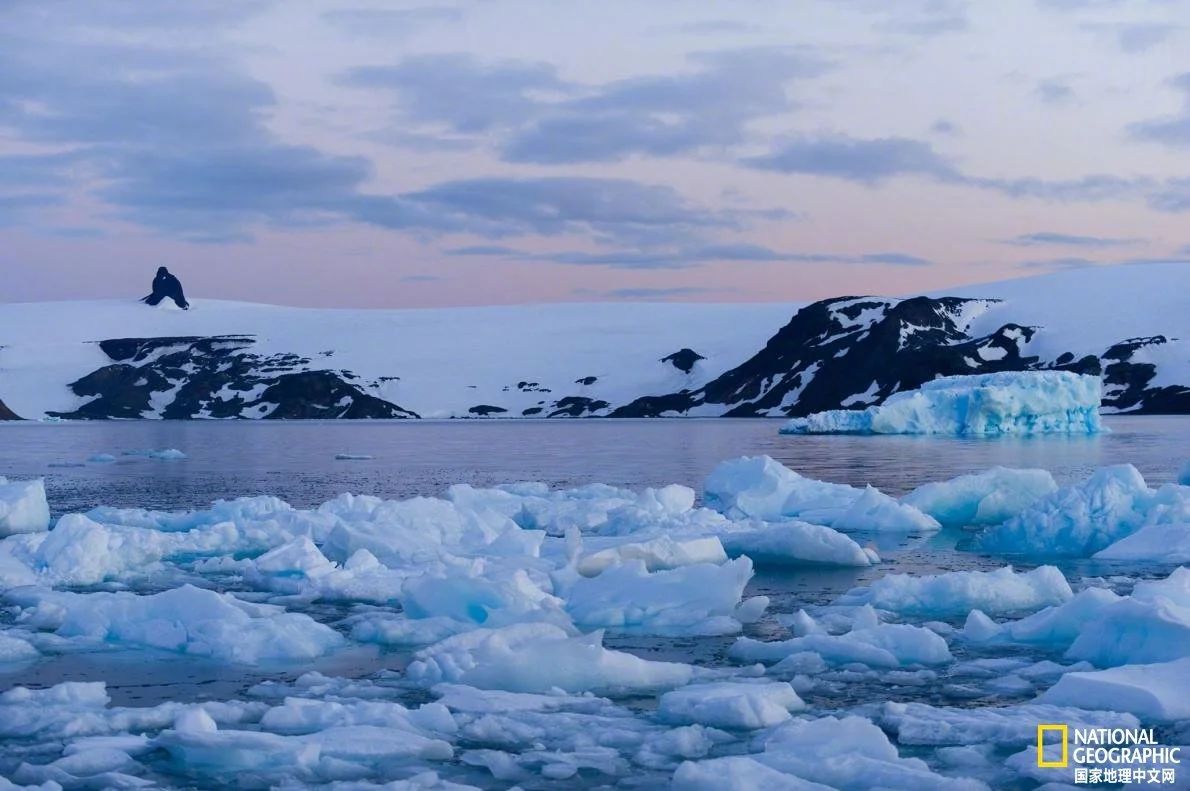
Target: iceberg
(1010, 402)
(849, 753)
(1158, 543)
(1154, 693)
(796, 543)
(187, 620)
(956, 593)
(1081, 520)
(869, 642)
(985, 498)
(23, 507)
(762, 488)
(697, 599)
(532, 657)
(728, 704)
(1151, 625)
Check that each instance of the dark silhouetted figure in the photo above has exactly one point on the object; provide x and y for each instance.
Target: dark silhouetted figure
(166, 285)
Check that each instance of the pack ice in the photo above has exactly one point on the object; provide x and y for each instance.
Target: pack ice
(1011, 402)
(511, 635)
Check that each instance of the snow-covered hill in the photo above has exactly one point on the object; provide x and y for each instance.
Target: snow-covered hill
(227, 359)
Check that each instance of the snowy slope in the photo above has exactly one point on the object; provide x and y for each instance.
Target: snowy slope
(448, 360)
(1130, 324)
(1084, 311)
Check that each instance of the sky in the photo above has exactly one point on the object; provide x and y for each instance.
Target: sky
(389, 154)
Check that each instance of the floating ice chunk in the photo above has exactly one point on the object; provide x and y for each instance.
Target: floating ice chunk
(1010, 402)
(957, 592)
(738, 773)
(187, 620)
(400, 630)
(796, 543)
(167, 454)
(985, 498)
(23, 507)
(1133, 631)
(657, 554)
(881, 645)
(1083, 519)
(979, 628)
(842, 753)
(411, 531)
(353, 457)
(534, 507)
(728, 704)
(919, 723)
(538, 658)
(469, 595)
(1096, 625)
(101, 458)
(1154, 693)
(14, 649)
(1184, 475)
(762, 488)
(1160, 543)
(699, 599)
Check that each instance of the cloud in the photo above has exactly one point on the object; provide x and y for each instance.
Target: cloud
(865, 161)
(1174, 130)
(1054, 91)
(460, 92)
(1076, 5)
(692, 256)
(613, 208)
(536, 117)
(917, 18)
(946, 128)
(1135, 38)
(1058, 263)
(1045, 238)
(389, 22)
(1172, 196)
(709, 27)
(656, 293)
(178, 141)
(421, 279)
(874, 161)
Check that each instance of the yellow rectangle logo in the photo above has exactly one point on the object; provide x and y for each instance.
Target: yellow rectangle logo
(1063, 761)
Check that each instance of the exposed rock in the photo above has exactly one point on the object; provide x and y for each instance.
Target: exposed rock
(683, 359)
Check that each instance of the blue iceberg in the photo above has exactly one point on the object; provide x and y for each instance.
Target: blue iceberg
(1010, 402)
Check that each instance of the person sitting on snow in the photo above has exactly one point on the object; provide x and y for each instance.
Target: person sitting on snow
(166, 285)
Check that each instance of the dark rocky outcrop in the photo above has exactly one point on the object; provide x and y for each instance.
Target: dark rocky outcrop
(217, 377)
(484, 410)
(6, 413)
(849, 352)
(857, 351)
(683, 359)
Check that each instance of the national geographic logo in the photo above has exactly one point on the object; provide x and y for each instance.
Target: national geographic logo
(1108, 755)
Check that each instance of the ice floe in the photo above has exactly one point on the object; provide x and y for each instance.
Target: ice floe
(762, 488)
(487, 610)
(538, 658)
(1153, 692)
(958, 592)
(985, 498)
(869, 642)
(1011, 402)
(23, 507)
(727, 704)
(188, 620)
(1080, 520)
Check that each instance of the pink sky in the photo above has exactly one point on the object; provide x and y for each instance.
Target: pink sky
(384, 155)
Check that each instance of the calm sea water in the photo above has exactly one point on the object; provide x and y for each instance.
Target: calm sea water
(296, 461)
